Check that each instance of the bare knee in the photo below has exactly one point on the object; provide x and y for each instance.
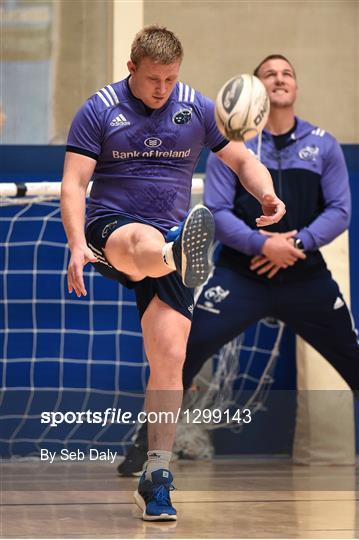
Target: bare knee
(165, 333)
(130, 244)
(171, 359)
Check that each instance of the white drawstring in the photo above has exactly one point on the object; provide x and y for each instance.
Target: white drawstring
(259, 146)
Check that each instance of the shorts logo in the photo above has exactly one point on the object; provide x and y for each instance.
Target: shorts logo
(216, 294)
(309, 153)
(108, 229)
(183, 116)
(213, 296)
(153, 142)
(190, 309)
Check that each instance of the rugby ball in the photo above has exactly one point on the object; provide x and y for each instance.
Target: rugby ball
(242, 108)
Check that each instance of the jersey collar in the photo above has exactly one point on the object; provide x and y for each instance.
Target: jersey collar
(142, 107)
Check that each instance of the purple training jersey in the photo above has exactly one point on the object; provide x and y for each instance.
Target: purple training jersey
(145, 158)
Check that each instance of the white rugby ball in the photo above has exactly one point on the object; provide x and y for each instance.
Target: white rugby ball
(242, 108)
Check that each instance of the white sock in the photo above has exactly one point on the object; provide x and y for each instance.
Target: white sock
(157, 459)
(168, 255)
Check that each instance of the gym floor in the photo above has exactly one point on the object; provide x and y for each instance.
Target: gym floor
(241, 498)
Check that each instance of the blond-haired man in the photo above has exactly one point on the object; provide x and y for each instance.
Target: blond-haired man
(140, 139)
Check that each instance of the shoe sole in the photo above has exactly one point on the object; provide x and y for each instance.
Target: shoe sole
(197, 237)
(146, 517)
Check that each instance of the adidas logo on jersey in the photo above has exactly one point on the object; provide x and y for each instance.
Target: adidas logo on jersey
(120, 120)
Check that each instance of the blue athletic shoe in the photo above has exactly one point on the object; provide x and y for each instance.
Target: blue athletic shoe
(192, 240)
(153, 498)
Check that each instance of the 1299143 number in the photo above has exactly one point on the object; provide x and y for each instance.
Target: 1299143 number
(217, 416)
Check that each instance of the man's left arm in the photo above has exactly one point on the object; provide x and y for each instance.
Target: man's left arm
(256, 179)
(335, 217)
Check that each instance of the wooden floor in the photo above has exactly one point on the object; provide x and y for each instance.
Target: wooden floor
(220, 499)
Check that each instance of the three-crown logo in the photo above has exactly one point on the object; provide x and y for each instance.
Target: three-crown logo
(153, 142)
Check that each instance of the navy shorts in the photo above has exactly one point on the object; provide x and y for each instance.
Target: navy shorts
(169, 288)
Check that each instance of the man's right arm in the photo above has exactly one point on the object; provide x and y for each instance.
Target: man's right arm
(78, 170)
(219, 193)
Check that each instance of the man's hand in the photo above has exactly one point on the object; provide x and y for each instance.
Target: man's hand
(278, 252)
(80, 256)
(273, 210)
(262, 265)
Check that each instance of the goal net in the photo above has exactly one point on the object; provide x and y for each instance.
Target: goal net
(64, 354)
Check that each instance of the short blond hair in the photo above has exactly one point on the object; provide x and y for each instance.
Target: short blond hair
(158, 44)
